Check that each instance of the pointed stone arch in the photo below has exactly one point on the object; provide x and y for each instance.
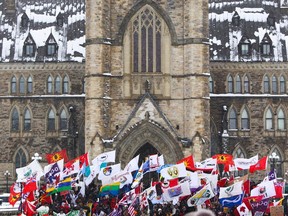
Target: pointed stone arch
(135, 9)
(148, 132)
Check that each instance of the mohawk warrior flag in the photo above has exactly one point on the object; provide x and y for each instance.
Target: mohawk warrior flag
(52, 158)
(15, 193)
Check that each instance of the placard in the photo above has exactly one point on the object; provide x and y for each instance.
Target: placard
(276, 211)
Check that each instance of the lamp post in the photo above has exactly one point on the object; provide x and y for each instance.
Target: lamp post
(273, 159)
(7, 174)
(72, 130)
(36, 157)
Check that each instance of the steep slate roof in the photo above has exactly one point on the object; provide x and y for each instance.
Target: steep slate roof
(225, 37)
(42, 15)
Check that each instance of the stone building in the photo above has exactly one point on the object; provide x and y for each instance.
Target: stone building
(173, 77)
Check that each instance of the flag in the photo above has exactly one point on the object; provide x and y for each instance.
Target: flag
(29, 208)
(93, 173)
(259, 207)
(52, 158)
(155, 162)
(85, 170)
(244, 163)
(138, 177)
(82, 159)
(188, 162)
(231, 201)
(132, 165)
(30, 185)
(206, 165)
(123, 177)
(272, 174)
(45, 199)
(104, 157)
(70, 169)
(265, 188)
(175, 171)
(232, 190)
(201, 196)
(106, 173)
(15, 193)
(260, 165)
(225, 159)
(244, 209)
(131, 208)
(53, 169)
(110, 189)
(28, 171)
(279, 189)
(180, 190)
(64, 185)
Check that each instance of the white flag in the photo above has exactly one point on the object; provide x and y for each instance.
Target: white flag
(175, 171)
(132, 165)
(104, 157)
(70, 170)
(34, 168)
(265, 188)
(177, 191)
(233, 190)
(209, 163)
(244, 163)
(201, 196)
(243, 210)
(123, 177)
(107, 172)
(90, 178)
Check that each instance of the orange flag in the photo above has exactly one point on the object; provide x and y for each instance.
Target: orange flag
(15, 193)
(52, 158)
(188, 162)
(223, 158)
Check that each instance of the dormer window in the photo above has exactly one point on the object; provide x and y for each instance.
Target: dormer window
(60, 20)
(51, 46)
(236, 19)
(24, 21)
(266, 45)
(29, 46)
(244, 47)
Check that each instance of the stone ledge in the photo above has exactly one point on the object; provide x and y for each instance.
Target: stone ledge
(250, 65)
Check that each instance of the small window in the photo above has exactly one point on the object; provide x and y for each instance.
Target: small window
(238, 84)
(211, 85)
(51, 121)
(244, 46)
(49, 85)
(266, 49)
(281, 120)
(246, 84)
(269, 120)
(51, 46)
(63, 120)
(65, 85)
(29, 85)
(13, 85)
(266, 84)
(29, 47)
(245, 123)
(230, 84)
(244, 49)
(274, 85)
(27, 120)
(20, 159)
(15, 120)
(232, 119)
(57, 85)
(282, 85)
(22, 85)
(236, 19)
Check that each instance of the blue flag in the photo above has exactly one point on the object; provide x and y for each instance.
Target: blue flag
(231, 201)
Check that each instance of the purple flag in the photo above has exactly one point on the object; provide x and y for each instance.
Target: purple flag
(272, 175)
(258, 208)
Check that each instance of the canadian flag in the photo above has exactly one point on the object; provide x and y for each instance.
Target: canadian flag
(244, 209)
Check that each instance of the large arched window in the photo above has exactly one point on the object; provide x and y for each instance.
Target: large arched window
(63, 120)
(282, 85)
(20, 159)
(269, 119)
(238, 85)
(232, 119)
(49, 85)
(51, 120)
(266, 84)
(274, 85)
(15, 120)
(29, 85)
(21, 85)
(245, 123)
(57, 85)
(65, 85)
(147, 29)
(246, 84)
(27, 120)
(13, 85)
(281, 120)
(230, 84)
